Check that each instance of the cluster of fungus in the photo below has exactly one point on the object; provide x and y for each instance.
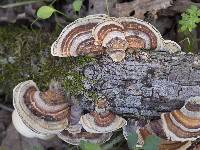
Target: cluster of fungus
(98, 34)
(177, 129)
(48, 114)
(39, 114)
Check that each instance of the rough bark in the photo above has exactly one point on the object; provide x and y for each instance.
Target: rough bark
(136, 8)
(179, 6)
(144, 86)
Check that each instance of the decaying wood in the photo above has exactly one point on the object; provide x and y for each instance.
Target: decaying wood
(179, 6)
(100, 6)
(138, 8)
(143, 86)
(4, 107)
(182, 5)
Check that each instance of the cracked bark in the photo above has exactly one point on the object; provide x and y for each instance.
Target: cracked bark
(141, 87)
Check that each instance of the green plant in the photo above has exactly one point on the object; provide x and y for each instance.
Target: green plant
(132, 140)
(44, 12)
(77, 4)
(188, 23)
(151, 143)
(89, 146)
(190, 19)
(38, 148)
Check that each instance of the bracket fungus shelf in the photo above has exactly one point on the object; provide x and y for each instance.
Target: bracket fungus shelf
(140, 74)
(39, 114)
(176, 129)
(75, 132)
(97, 34)
(102, 120)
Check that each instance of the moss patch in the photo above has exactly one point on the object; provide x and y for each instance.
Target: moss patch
(25, 55)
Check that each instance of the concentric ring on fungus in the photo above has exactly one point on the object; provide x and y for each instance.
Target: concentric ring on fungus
(101, 120)
(76, 38)
(177, 129)
(98, 34)
(42, 116)
(75, 139)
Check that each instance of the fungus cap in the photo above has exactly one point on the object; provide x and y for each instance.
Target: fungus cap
(110, 34)
(76, 38)
(101, 120)
(75, 139)
(184, 124)
(42, 112)
(148, 37)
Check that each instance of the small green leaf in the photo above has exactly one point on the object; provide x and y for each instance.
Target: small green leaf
(89, 146)
(132, 140)
(152, 143)
(77, 4)
(45, 12)
(193, 9)
(190, 19)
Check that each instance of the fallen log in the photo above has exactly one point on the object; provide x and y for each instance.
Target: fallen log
(145, 84)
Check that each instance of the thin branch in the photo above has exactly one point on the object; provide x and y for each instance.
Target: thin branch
(188, 40)
(34, 22)
(20, 4)
(107, 8)
(52, 2)
(6, 108)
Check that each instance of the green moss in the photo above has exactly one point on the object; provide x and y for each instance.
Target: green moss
(73, 83)
(93, 95)
(25, 55)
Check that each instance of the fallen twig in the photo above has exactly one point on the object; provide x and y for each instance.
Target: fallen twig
(6, 108)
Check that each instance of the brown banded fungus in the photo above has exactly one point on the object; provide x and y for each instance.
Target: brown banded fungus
(110, 34)
(156, 128)
(152, 128)
(141, 34)
(74, 133)
(98, 34)
(76, 38)
(183, 124)
(39, 114)
(75, 139)
(177, 129)
(102, 120)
